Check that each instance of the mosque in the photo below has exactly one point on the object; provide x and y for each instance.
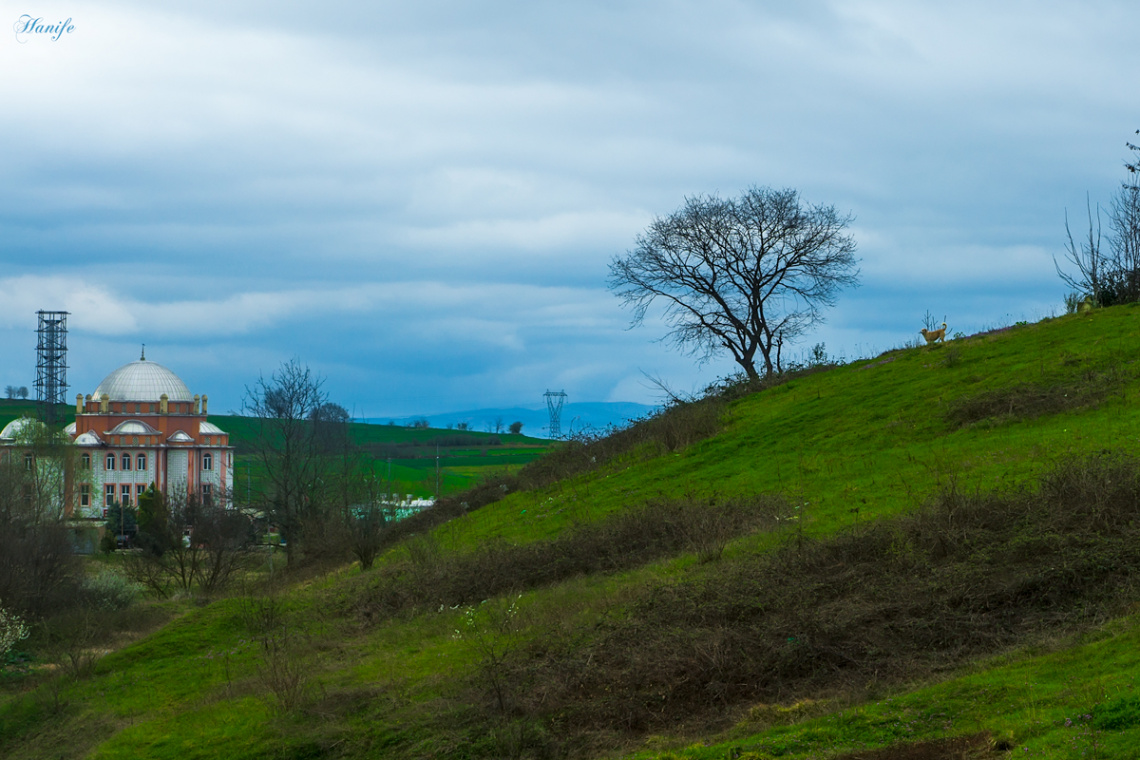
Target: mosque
(141, 426)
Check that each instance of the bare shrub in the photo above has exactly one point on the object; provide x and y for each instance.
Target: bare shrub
(664, 528)
(968, 575)
(282, 667)
(492, 631)
(1031, 400)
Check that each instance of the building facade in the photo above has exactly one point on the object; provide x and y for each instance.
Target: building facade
(142, 426)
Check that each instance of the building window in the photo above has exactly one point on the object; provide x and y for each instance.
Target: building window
(141, 462)
(126, 461)
(85, 496)
(135, 440)
(111, 464)
(207, 461)
(207, 494)
(27, 494)
(110, 498)
(28, 460)
(140, 489)
(126, 496)
(86, 461)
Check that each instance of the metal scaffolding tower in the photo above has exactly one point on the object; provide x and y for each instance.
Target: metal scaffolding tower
(51, 363)
(554, 401)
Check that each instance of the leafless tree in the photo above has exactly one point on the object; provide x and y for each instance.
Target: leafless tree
(1108, 276)
(745, 275)
(289, 448)
(186, 543)
(39, 572)
(1087, 257)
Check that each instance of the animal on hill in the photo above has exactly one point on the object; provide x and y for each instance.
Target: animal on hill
(933, 336)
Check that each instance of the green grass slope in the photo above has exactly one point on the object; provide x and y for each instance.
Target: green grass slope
(921, 555)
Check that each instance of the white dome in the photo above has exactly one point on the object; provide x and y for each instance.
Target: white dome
(142, 381)
(19, 428)
(133, 427)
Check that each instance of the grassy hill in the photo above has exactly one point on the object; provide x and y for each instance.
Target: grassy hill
(928, 554)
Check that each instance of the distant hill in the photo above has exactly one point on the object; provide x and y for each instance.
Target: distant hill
(576, 417)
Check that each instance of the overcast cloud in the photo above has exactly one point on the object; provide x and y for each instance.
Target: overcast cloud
(420, 200)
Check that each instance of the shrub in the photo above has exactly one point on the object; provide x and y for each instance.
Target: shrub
(12, 631)
(967, 576)
(106, 589)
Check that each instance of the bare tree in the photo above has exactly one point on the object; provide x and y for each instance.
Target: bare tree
(1087, 257)
(1111, 276)
(186, 543)
(288, 447)
(39, 572)
(743, 275)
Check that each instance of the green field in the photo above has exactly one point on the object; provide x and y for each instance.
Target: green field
(929, 553)
(404, 456)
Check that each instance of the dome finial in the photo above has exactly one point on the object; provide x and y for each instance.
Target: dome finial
(142, 358)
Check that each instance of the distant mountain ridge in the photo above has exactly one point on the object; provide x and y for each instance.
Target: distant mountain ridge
(576, 417)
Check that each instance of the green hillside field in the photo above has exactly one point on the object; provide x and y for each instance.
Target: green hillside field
(406, 457)
(929, 554)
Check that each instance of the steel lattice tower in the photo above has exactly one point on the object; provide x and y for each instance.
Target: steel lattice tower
(554, 401)
(51, 363)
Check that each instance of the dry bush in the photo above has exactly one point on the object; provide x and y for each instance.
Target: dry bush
(680, 424)
(967, 576)
(433, 577)
(282, 669)
(1037, 399)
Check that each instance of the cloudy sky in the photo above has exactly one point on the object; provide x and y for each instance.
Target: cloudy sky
(420, 200)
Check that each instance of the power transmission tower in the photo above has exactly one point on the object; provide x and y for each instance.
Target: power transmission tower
(554, 401)
(51, 363)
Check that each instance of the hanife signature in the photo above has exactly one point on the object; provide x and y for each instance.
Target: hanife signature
(27, 25)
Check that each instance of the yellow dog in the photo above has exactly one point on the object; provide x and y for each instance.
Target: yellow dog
(933, 336)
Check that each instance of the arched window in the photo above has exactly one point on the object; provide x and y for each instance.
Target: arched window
(207, 461)
(111, 461)
(126, 461)
(86, 461)
(140, 462)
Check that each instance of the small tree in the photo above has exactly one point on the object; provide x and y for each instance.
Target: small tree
(516, 427)
(1111, 276)
(188, 544)
(743, 275)
(288, 447)
(12, 631)
(10, 391)
(22, 392)
(121, 521)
